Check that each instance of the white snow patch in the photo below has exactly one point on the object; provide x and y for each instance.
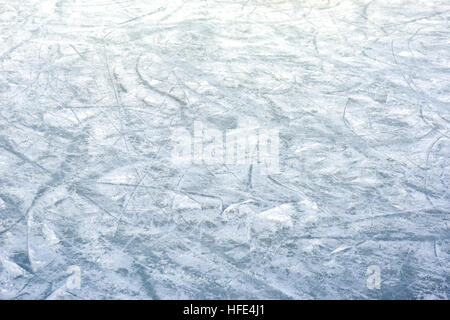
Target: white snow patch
(340, 249)
(309, 204)
(13, 269)
(185, 203)
(281, 214)
(235, 206)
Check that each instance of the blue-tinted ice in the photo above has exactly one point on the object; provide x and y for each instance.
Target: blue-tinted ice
(91, 205)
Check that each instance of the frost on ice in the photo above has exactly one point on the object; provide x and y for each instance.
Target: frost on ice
(93, 207)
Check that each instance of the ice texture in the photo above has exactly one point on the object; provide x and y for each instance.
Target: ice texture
(91, 206)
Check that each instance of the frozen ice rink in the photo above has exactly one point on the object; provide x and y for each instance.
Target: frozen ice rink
(93, 207)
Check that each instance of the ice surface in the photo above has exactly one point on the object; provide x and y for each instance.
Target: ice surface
(92, 207)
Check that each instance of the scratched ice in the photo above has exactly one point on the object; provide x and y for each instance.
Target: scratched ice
(92, 207)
